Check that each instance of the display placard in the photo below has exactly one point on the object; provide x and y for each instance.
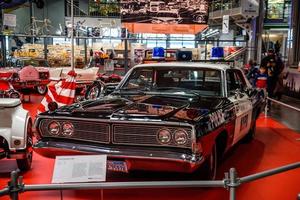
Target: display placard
(71, 169)
(9, 20)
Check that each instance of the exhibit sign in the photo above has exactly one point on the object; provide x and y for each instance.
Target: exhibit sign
(157, 14)
(9, 20)
(250, 8)
(225, 24)
(79, 168)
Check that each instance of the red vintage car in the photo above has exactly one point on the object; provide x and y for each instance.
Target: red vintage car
(6, 89)
(28, 73)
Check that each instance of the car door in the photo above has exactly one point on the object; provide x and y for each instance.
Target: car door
(236, 85)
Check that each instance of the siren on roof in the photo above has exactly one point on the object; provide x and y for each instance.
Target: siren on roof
(184, 55)
(217, 53)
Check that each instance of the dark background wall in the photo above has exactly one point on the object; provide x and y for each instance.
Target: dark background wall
(296, 27)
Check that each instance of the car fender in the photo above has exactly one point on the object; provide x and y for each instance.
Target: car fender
(20, 120)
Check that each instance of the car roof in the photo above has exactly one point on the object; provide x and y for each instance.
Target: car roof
(216, 66)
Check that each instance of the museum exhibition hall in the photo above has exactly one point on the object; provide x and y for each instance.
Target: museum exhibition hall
(149, 99)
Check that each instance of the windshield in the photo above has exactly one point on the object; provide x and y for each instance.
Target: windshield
(206, 82)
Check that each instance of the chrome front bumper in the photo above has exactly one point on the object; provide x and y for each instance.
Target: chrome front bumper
(140, 158)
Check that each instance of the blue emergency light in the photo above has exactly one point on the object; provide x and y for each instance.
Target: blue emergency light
(217, 53)
(158, 52)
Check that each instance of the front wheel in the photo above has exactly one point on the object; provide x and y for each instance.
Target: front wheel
(250, 135)
(25, 163)
(210, 165)
(41, 89)
(208, 170)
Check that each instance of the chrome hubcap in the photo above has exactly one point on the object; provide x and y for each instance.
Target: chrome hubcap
(41, 89)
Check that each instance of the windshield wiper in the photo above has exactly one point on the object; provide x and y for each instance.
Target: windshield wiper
(180, 89)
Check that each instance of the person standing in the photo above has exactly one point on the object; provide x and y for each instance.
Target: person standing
(261, 78)
(253, 73)
(273, 64)
(277, 47)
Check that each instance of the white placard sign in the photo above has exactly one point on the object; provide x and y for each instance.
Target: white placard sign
(71, 169)
(225, 25)
(9, 20)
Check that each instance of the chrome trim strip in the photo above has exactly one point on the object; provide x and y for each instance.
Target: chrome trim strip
(121, 152)
(114, 121)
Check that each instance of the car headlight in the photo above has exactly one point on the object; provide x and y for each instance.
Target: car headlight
(54, 128)
(164, 136)
(67, 129)
(180, 137)
(14, 95)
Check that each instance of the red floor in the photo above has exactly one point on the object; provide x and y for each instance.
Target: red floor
(275, 145)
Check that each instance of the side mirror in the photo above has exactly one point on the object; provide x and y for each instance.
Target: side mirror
(94, 91)
(238, 94)
(249, 91)
(109, 88)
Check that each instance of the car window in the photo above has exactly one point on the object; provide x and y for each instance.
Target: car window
(139, 79)
(203, 81)
(235, 80)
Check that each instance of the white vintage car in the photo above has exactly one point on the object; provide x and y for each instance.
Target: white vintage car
(85, 76)
(15, 133)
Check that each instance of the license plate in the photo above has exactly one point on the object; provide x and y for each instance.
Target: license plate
(117, 166)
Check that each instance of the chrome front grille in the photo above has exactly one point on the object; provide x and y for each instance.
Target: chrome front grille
(145, 135)
(119, 133)
(87, 131)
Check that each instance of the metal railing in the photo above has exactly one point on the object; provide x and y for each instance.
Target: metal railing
(280, 103)
(230, 182)
(96, 9)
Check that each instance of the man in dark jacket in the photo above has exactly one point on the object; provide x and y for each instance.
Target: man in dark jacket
(274, 66)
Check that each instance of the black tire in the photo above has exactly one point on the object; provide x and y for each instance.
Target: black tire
(93, 91)
(210, 165)
(25, 163)
(41, 89)
(250, 135)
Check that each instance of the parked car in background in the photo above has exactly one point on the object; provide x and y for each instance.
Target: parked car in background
(106, 82)
(7, 90)
(15, 133)
(177, 116)
(166, 17)
(28, 73)
(85, 76)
